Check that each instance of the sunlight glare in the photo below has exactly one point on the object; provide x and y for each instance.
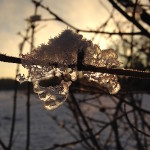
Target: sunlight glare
(102, 43)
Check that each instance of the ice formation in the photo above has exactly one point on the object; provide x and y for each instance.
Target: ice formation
(51, 62)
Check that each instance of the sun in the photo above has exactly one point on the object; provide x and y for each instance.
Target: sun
(102, 43)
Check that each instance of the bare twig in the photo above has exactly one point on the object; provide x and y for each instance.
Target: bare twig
(3, 145)
(132, 19)
(134, 106)
(132, 126)
(29, 84)
(58, 18)
(93, 139)
(15, 94)
(145, 17)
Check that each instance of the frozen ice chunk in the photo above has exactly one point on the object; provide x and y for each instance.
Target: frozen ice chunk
(20, 78)
(108, 81)
(72, 73)
(53, 96)
(50, 63)
(101, 58)
(61, 50)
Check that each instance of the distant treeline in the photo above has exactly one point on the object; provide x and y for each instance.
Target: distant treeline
(127, 84)
(9, 84)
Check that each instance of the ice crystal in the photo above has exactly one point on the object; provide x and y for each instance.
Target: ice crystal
(62, 50)
(52, 96)
(49, 67)
(20, 78)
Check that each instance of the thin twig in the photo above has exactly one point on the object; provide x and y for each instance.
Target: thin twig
(15, 95)
(131, 19)
(93, 138)
(29, 85)
(132, 126)
(132, 105)
(58, 18)
(3, 145)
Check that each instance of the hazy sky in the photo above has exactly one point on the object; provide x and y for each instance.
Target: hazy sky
(85, 14)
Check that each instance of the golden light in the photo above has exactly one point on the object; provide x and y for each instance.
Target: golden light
(102, 43)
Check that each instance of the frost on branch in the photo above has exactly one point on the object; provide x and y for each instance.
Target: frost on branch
(62, 50)
(52, 60)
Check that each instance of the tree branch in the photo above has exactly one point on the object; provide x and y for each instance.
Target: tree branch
(81, 67)
(10, 59)
(131, 19)
(132, 126)
(145, 17)
(82, 30)
(3, 145)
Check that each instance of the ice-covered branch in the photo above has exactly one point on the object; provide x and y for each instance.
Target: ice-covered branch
(68, 57)
(116, 71)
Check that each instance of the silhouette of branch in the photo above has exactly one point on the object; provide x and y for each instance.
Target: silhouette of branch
(132, 105)
(16, 84)
(10, 59)
(131, 19)
(64, 144)
(132, 126)
(82, 30)
(3, 145)
(78, 123)
(28, 109)
(115, 71)
(93, 138)
(88, 137)
(145, 17)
